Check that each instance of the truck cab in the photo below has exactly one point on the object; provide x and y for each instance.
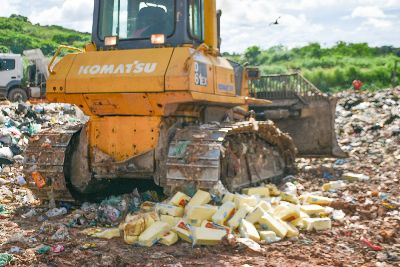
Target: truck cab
(11, 75)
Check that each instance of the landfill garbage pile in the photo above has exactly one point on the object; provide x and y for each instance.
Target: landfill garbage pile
(19, 122)
(367, 182)
(368, 129)
(334, 212)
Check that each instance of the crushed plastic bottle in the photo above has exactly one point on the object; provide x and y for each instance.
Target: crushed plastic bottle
(56, 212)
(334, 185)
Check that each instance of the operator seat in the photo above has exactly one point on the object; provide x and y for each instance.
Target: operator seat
(154, 19)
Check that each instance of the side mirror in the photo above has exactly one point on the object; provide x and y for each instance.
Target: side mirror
(253, 73)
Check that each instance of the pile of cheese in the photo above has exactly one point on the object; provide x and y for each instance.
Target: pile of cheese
(263, 214)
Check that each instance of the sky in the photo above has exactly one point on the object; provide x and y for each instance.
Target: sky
(247, 22)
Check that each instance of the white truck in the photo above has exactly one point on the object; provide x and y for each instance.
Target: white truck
(17, 83)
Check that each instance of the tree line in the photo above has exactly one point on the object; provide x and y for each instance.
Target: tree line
(330, 69)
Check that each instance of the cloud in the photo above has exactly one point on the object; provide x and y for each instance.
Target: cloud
(379, 23)
(76, 14)
(246, 22)
(368, 12)
(7, 8)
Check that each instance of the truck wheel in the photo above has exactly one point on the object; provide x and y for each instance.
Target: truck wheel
(17, 94)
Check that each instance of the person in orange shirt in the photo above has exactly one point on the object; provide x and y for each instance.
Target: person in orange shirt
(357, 85)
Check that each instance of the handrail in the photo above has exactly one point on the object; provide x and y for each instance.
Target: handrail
(278, 86)
(61, 47)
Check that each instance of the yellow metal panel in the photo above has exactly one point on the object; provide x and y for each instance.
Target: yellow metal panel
(55, 97)
(124, 137)
(224, 77)
(190, 70)
(119, 71)
(119, 104)
(56, 82)
(219, 99)
(201, 73)
(164, 104)
(177, 77)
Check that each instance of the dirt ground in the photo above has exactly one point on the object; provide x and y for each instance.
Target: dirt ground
(371, 208)
(340, 246)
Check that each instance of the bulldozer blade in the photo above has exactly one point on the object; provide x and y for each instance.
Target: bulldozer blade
(313, 127)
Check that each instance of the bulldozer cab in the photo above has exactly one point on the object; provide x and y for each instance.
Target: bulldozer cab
(138, 24)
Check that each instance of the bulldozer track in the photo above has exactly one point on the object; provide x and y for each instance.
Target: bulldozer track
(46, 154)
(238, 154)
(203, 155)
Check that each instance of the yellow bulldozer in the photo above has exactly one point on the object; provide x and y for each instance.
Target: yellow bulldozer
(163, 105)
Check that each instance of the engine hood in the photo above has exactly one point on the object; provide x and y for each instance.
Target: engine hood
(122, 71)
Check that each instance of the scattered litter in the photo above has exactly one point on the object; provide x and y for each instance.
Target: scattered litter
(5, 259)
(360, 198)
(43, 249)
(56, 212)
(15, 250)
(57, 248)
(108, 233)
(370, 244)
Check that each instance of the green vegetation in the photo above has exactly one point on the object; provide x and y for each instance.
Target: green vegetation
(330, 69)
(17, 34)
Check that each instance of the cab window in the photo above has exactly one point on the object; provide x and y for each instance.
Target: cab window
(136, 19)
(7, 64)
(196, 19)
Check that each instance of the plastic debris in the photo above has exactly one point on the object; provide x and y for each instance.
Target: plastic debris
(15, 250)
(5, 259)
(224, 213)
(61, 233)
(338, 215)
(154, 233)
(200, 198)
(247, 230)
(334, 185)
(43, 249)
(250, 244)
(240, 214)
(87, 246)
(317, 224)
(21, 180)
(108, 233)
(319, 200)
(40, 181)
(197, 214)
(57, 248)
(241, 200)
(171, 210)
(207, 236)
(269, 222)
(369, 244)
(269, 236)
(184, 231)
(351, 177)
(171, 220)
(56, 212)
(256, 191)
(180, 199)
(312, 209)
(169, 239)
(286, 212)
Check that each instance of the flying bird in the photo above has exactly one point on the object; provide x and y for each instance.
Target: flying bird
(275, 23)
